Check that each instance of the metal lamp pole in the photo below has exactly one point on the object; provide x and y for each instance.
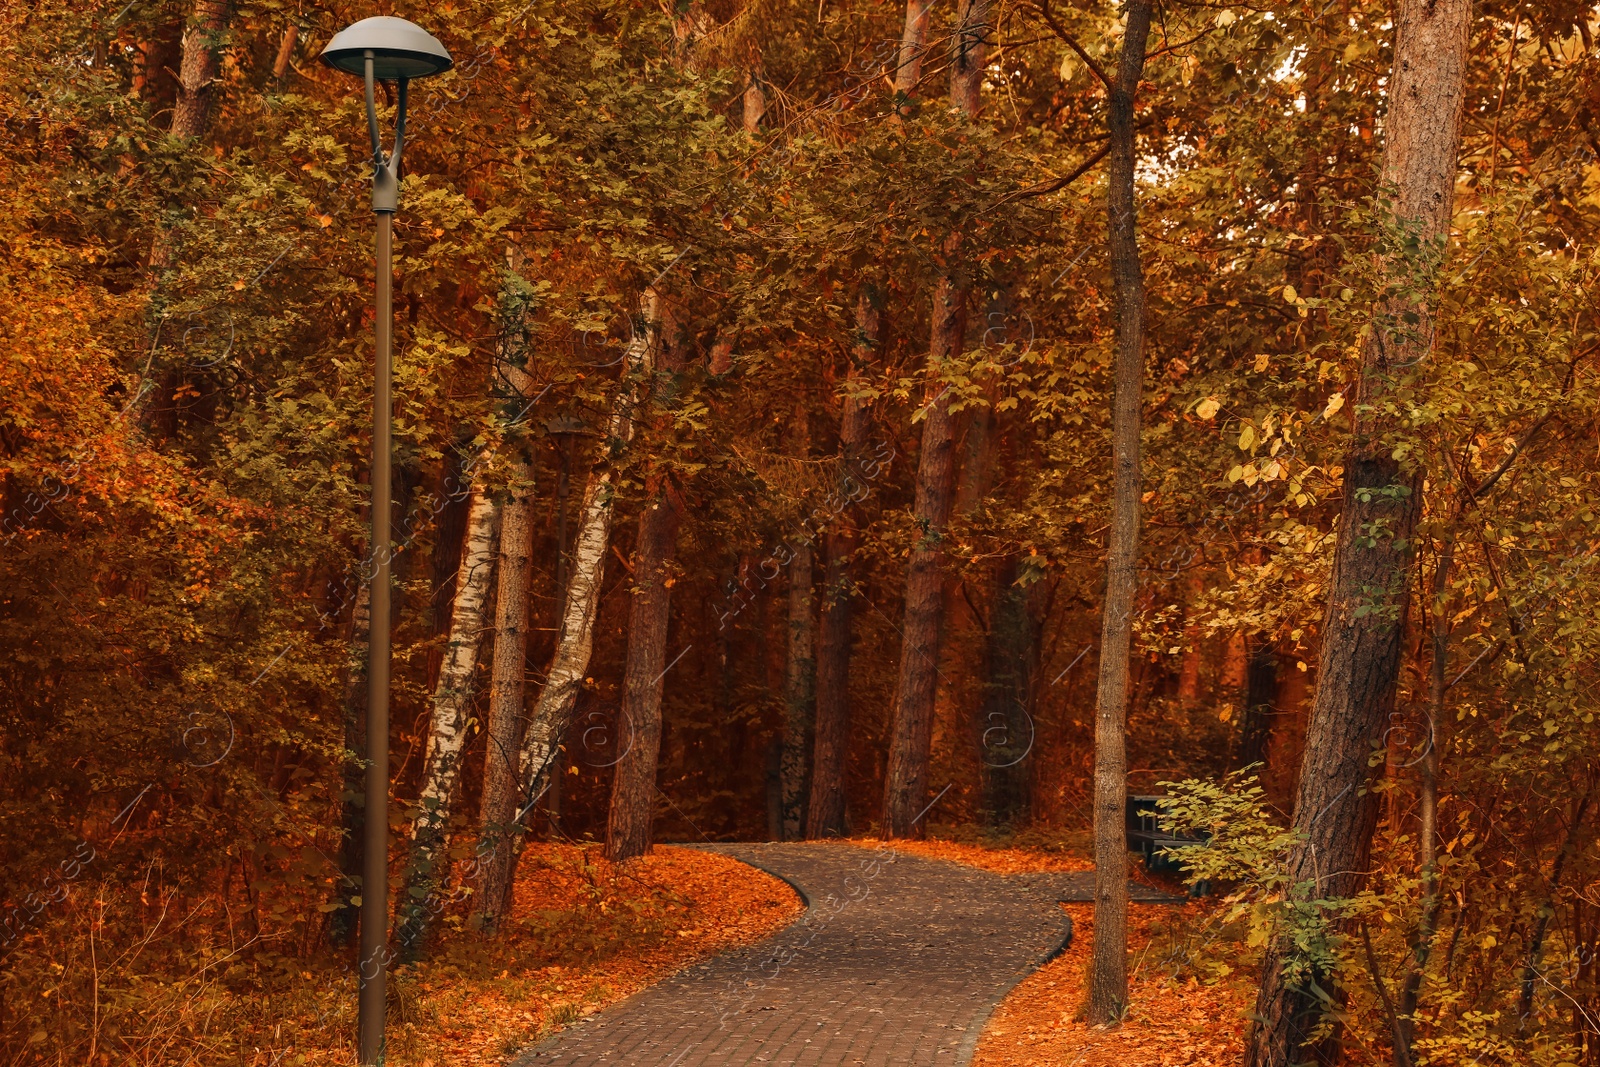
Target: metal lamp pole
(387, 49)
(373, 982)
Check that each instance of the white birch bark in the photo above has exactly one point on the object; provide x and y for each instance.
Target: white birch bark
(452, 701)
(576, 642)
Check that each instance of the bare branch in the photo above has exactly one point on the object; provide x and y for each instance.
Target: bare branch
(1072, 43)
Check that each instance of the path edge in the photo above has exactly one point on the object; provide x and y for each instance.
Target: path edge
(968, 1049)
(524, 1056)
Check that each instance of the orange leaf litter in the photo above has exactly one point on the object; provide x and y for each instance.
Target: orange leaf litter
(712, 903)
(1167, 1025)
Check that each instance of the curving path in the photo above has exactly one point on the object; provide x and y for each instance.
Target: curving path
(898, 960)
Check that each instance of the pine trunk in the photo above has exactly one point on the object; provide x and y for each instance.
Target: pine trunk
(1363, 631)
(633, 790)
(500, 808)
(1005, 725)
(825, 816)
(1260, 699)
(198, 69)
(913, 43)
(631, 819)
(447, 731)
(286, 47)
(911, 729)
(1108, 988)
(799, 698)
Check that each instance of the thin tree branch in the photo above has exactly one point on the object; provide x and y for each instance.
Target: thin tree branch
(1072, 43)
(1047, 187)
(1505, 464)
(1402, 1053)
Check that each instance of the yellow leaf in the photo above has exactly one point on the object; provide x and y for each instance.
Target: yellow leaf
(1247, 437)
(1289, 294)
(1208, 408)
(1225, 18)
(1263, 361)
(1488, 941)
(1335, 402)
(325, 221)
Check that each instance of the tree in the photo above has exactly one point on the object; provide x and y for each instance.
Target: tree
(447, 730)
(500, 815)
(906, 780)
(559, 697)
(825, 816)
(1368, 598)
(631, 818)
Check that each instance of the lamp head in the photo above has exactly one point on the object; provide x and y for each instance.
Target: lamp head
(400, 49)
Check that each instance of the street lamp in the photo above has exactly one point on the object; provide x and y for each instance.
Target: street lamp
(381, 49)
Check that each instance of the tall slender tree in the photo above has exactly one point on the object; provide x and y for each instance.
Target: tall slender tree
(1368, 596)
(911, 732)
(507, 683)
(447, 728)
(825, 816)
(631, 820)
(1108, 986)
(575, 642)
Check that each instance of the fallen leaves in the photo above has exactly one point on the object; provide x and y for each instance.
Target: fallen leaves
(1169, 1023)
(588, 933)
(998, 860)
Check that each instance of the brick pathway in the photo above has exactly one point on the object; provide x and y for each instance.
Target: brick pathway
(898, 960)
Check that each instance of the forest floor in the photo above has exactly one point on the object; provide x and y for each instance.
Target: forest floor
(588, 934)
(585, 934)
(1173, 1018)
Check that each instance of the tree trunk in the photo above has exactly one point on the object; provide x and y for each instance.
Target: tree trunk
(1108, 989)
(908, 61)
(911, 730)
(499, 811)
(558, 698)
(633, 791)
(342, 921)
(1428, 803)
(197, 71)
(286, 46)
(826, 815)
(451, 528)
(191, 112)
(1005, 725)
(1363, 628)
(1189, 665)
(631, 820)
(447, 733)
(1260, 696)
(799, 698)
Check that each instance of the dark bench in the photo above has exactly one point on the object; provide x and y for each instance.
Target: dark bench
(1146, 837)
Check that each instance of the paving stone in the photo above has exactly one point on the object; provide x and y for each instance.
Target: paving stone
(897, 960)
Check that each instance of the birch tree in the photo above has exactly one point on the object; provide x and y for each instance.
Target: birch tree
(559, 697)
(447, 727)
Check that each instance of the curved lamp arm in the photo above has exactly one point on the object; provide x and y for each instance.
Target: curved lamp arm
(386, 171)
